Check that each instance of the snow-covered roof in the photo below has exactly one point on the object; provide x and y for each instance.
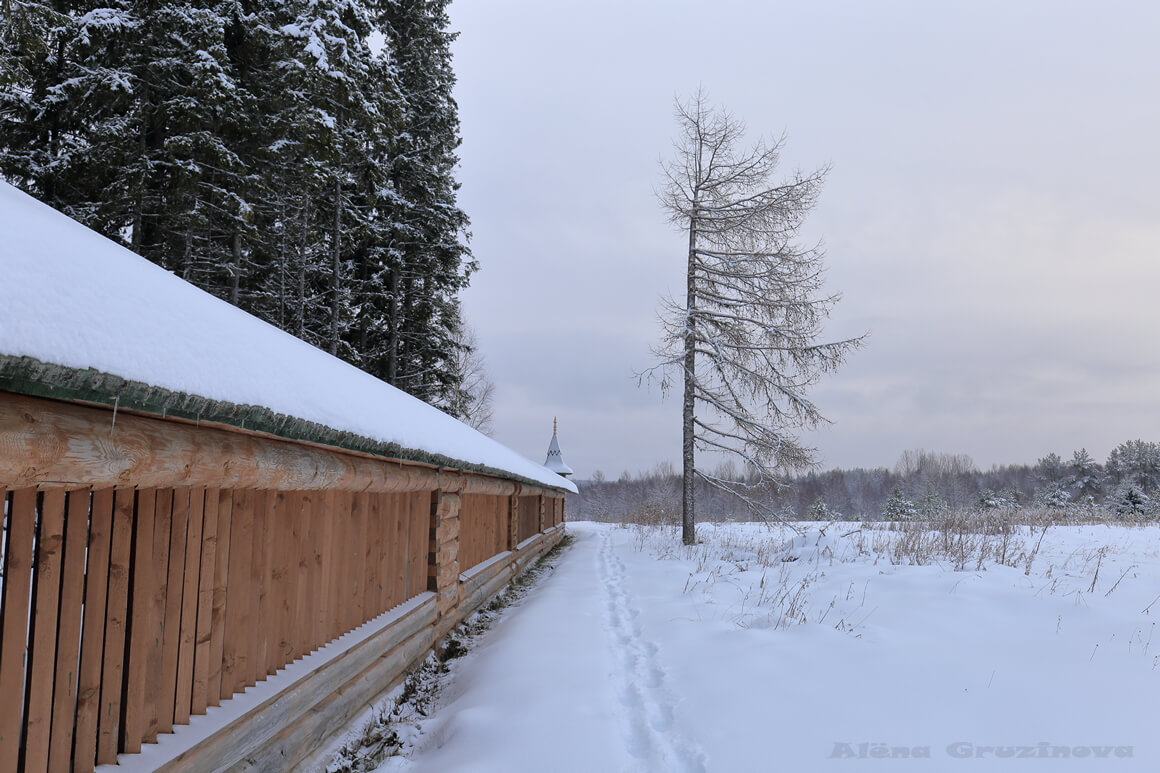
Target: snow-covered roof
(84, 317)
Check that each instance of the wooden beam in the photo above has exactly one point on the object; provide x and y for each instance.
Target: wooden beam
(59, 443)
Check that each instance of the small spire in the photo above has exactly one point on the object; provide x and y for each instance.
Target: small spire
(555, 461)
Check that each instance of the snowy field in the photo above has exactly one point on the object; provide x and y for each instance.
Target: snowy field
(846, 648)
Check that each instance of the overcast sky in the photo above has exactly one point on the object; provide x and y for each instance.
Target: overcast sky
(992, 216)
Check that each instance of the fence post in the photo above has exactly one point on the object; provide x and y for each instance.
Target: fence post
(443, 557)
(513, 536)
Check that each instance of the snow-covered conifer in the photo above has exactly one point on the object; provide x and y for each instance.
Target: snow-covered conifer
(898, 507)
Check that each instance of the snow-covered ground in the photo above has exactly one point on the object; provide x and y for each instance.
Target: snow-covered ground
(761, 649)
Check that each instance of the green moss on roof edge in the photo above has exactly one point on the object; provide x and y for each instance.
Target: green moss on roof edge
(30, 376)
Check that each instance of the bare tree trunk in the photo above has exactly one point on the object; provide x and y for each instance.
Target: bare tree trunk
(236, 269)
(393, 336)
(187, 257)
(688, 508)
(335, 248)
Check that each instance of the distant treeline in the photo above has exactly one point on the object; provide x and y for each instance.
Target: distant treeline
(921, 483)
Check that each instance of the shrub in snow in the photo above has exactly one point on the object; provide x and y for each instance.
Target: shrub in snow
(931, 504)
(898, 507)
(1131, 502)
(820, 511)
(989, 500)
(1054, 497)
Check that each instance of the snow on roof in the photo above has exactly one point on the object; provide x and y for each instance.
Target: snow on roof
(81, 302)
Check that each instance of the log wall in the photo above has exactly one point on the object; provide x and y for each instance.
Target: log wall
(153, 569)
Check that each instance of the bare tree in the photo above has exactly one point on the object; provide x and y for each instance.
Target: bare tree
(743, 339)
(472, 401)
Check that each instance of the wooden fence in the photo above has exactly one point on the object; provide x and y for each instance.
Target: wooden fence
(137, 594)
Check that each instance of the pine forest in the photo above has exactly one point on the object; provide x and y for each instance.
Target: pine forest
(293, 158)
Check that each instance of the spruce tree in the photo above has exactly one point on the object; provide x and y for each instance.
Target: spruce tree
(267, 153)
(427, 261)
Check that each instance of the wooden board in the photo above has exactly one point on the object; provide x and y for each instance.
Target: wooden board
(214, 688)
(112, 672)
(258, 632)
(171, 632)
(144, 623)
(235, 652)
(205, 608)
(159, 599)
(93, 633)
(14, 637)
(187, 636)
(68, 646)
(42, 649)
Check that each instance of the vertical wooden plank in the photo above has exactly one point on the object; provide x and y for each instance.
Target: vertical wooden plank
(260, 613)
(93, 633)
(279, 533)
(399, 508)
(42, 633)
(466, 521)
(513, 534)
(340, 521)
(221, 575)
(307, 550)
(433, 543)
(112, 673)
(395, 507)
(293, 533)
(412, 513)
(205, 593)
(356, 562)
(373, 561)
(239, 596)
(290, 535)
(499, 540)
(270, 652)
(68, 645)
(14, 622)
(419, 529)
(144, 625)
(187, 636)
(171, 632)
(324, 514)
(344, 598)
(154, 663)
(401, 537)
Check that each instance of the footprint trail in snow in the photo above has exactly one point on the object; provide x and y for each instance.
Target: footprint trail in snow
(647, 715)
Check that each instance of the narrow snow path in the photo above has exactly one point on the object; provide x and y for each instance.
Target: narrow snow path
(647, 705)
(546, 688)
